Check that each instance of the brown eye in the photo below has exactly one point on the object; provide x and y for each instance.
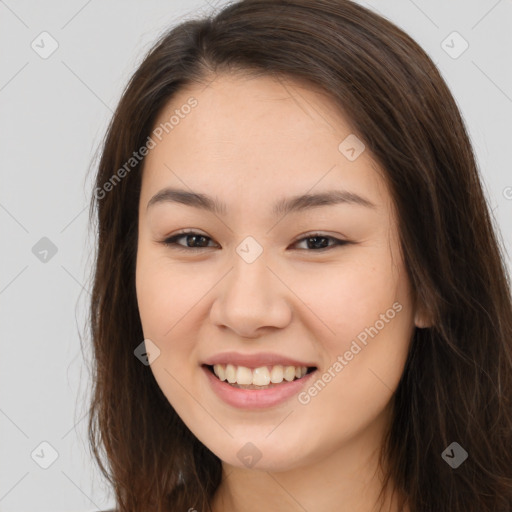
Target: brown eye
(195, 241)
(320, 242)
(316, 242)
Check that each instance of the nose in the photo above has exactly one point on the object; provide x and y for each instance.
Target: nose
(252, 299)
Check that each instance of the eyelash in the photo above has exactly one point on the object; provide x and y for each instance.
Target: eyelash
(171, 242)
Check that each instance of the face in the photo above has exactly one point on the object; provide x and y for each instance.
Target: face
(266, 289)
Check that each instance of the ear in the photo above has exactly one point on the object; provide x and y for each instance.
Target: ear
(422, 319)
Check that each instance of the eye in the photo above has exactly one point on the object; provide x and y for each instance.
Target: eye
(197, 241)
(194, 236)
(318, 241)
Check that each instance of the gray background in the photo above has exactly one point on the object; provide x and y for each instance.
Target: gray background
(54, 112)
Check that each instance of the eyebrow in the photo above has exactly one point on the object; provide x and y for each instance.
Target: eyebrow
(281, 207)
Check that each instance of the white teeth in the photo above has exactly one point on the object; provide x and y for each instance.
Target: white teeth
(230, 373)
(276, 375)
(243, 375)
(289, 373)
(261, 376)
(219, 371)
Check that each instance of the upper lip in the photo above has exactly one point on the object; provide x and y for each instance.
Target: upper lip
(255, 360)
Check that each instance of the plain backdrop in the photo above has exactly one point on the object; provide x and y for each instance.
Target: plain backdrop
(54, 110)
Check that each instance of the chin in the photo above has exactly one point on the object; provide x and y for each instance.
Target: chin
(262, 453)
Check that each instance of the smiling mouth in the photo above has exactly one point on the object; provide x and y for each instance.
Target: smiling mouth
(263, 377)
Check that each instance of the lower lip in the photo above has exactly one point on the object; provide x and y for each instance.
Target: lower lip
(256, 398)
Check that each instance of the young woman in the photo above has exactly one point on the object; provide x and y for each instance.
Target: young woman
(299, 298)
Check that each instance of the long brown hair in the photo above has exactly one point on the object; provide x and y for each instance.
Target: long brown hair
(457, 382)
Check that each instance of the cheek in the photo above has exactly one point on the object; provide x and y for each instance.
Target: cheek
(359, 379)
(166, 300)
(371, 314)
(165, 293)
(367, 308)
(351, 296)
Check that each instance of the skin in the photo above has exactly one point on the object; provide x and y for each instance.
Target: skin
(250, 142)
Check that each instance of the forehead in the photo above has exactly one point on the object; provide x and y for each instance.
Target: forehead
(250, 140)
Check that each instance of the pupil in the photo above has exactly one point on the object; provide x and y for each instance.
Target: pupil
(195, 237)
(315, 241)
(316, 238)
